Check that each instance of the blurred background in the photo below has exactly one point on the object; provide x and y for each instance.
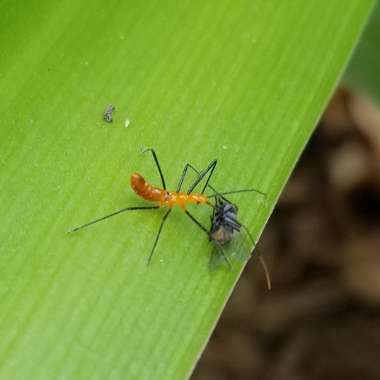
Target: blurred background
(322, 318)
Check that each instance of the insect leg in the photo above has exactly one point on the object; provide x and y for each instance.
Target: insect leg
(158, 234)
(113, 214)
(261, 258)
(217, 194)
(221, 195)
(208, 184)
(209, 170)
(182, 178)
(201, 175)
(197, 223)
(157, 164)
(189, 166)
(249, 234)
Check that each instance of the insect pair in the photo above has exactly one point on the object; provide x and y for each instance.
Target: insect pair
(224, 223)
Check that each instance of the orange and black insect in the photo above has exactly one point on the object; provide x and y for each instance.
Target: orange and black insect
(162, 197)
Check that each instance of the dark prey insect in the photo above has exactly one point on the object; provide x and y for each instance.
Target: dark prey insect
(107, 114)
(163, 197)
(225, 226)
(224, 223)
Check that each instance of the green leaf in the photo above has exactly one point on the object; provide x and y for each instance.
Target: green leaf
(363, 71)
(244, 82)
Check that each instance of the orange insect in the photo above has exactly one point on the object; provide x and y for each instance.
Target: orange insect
(162, 196)
(167, 198)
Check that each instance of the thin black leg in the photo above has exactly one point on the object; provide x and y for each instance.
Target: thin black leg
(113, 214)
(158, 234)
(209, 176)
(209, 170)
(222, 195)
(201, 175)
(197, 223)
(189, 166)
(198, 172)
(157, 164)
(181, 179)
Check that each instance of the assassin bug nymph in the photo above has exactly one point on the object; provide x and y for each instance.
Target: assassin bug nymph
(163, 197)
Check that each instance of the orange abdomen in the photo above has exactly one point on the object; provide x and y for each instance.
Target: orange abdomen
(145, 190)
(154, 194)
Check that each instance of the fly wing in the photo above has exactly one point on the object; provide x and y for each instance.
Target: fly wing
(236, 250)
(242, 249)
(216, 259)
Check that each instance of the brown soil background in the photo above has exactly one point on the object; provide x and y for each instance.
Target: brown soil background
(321, 321)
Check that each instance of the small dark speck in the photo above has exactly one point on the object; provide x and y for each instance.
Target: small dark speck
(107, 114)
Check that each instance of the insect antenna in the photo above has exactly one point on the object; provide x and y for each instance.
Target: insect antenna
(113, 214)
(236, 192)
